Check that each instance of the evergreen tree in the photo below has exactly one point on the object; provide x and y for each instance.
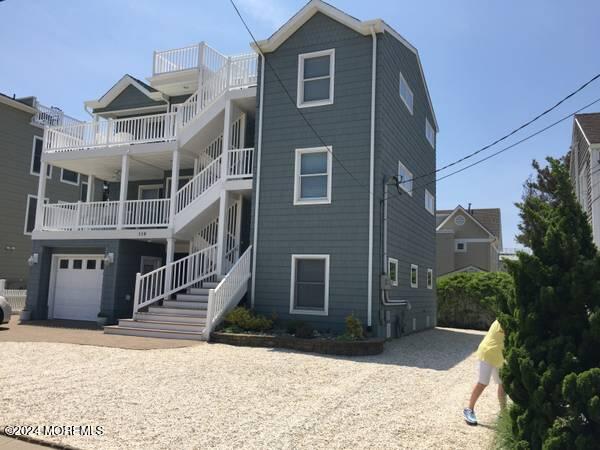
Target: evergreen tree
(552, 324)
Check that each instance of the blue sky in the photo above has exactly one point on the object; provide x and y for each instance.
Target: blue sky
(490, 65)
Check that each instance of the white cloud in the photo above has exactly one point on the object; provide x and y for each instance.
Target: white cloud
(272, 12)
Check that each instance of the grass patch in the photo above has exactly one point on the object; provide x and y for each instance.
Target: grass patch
(504, 439)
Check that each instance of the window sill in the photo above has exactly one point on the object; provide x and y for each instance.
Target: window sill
(317, 201)
(315, 103)
(309, 312)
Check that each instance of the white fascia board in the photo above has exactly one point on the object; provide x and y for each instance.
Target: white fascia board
(470, 216)
(121, 85)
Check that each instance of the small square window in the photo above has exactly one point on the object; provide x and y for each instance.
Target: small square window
(405, 178)
(393, 271)
(77, 264)
(63, 264)
(90, 264)
(315, 78)
(429, 278)
(414, 276)
(406, 94)
(460, 246)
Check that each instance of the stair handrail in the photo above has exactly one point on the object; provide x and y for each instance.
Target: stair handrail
(173, 277)
(201, 182)
(228, 292)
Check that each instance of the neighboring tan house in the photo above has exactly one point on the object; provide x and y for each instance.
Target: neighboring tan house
(468, 240)
(261, 206)
(585, 167)
(22, 123)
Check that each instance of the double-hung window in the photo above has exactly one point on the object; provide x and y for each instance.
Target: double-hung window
(309, 293)
(406, 94)
(405, 178)
(30, 213)
(36, 157)
(312, 183)
(429, 202)
(429, 133)
(316, 72)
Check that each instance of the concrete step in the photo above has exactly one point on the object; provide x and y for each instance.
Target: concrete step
(184, 304)
(145, 332)
(160, 325)
(192, 297)
(173, 318)
(198, 291)
(177, 311)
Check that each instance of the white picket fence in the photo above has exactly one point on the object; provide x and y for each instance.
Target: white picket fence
(14, 297)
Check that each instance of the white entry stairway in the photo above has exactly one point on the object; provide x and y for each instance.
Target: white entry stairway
(195, 311)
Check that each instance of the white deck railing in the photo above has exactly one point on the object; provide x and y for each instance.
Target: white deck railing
(105, 215)
(239, 162)
(52, 116)
(228, 292)
(173, 277)
(111, 132)
(198, 185)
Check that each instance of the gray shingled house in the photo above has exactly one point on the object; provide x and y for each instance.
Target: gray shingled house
(468, 240)
(282, 176)
(22, 123)
(585, 167)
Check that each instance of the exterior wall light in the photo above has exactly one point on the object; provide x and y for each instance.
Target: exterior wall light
(33, 259)
(109, 258)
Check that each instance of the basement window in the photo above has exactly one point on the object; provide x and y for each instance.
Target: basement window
(316, 72)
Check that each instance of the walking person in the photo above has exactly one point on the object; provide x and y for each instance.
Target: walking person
(490, 360)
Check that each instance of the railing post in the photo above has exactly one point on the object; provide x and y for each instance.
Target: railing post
(136, 295)
(108, 130)
(39, 213)
(209, 313)
(154, 71)
(78, 215)
(123, 190)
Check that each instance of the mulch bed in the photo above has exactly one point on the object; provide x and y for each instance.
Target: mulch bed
(367, 347)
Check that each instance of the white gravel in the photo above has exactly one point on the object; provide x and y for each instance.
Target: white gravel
(217, 396)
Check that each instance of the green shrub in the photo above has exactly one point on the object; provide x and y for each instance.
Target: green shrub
(354, 329)
(247, 320)
(304, 331)
(470, 299)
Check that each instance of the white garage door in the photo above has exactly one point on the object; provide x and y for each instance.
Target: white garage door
(77, 286)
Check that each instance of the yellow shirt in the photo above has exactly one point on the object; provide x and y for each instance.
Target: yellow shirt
(490, 349)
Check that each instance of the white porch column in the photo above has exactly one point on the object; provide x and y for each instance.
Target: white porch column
(196, 165)
(221, 231)
(41, 194)
(226, 139)
(170, 257)
(123, 189)
(90, 189)
(174, 185)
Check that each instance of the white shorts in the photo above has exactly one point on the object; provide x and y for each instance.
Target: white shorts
(487, 371)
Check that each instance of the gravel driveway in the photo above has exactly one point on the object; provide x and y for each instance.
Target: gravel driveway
(217, 396)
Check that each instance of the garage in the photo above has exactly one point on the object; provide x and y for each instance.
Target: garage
(76, 289)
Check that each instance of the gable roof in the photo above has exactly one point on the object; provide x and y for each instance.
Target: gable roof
(364, 27)
(126, 81)
(489, 219)
(589, 124)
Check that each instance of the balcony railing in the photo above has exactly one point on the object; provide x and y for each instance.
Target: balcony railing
(133, 214)
(111, 132)
(239, 162)
(52, 116)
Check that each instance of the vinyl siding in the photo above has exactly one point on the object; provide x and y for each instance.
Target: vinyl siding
(400, 136)
(16, 182)
(339, 229)
(130, 98)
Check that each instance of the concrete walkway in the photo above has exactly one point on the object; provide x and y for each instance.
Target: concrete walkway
(82, 333)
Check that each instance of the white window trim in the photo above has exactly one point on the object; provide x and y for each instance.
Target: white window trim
(62, 171)
(403, 185)
(416, 267)
(460, 241)
(29, 197)
(312, 312)
(31, 171)
(427, 128)
(393, 261)
(430, 195)
(143, 187)
(300, 92)
(297, 190)
(409, 107)
(429, 280)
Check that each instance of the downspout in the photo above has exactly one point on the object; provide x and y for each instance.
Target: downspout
(371, 181)
(257, 192)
